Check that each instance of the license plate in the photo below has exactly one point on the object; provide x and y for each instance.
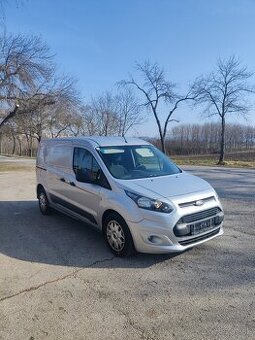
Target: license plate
(201, 227)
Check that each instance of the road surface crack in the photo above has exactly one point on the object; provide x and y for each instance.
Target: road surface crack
(72, 274)
(141, 331)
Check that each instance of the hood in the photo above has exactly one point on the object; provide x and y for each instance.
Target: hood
(166, 186)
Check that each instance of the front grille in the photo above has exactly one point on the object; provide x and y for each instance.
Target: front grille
(199, 238)
(200, 215)
(191, 203)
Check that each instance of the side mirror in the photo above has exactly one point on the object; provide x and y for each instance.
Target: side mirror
(84, 177)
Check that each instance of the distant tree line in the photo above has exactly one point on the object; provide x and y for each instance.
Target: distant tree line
(195, 139)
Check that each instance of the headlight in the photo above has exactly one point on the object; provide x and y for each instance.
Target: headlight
(149, 204)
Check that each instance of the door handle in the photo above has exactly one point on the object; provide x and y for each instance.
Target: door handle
(62, 179)
(72, 184)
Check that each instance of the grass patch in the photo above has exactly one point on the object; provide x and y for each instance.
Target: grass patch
(212, 161)
(13, 166)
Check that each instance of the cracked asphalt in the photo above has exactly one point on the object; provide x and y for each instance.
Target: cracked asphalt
(59, 281)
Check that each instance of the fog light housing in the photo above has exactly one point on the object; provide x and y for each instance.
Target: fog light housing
(155, 239)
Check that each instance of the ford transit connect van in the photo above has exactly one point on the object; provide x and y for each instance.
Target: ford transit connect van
(128, 189)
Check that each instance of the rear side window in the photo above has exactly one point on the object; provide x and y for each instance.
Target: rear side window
(59, 155)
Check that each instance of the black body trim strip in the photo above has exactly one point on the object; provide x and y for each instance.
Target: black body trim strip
(73, 208)
(41, 168)
(199, 238)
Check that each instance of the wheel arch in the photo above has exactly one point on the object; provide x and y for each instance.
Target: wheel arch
(107, 213)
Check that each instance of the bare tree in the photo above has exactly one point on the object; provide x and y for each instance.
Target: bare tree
(62, 114)
(31, 91)
(224, 92)
(25, 62)
(101, 115)
(63, 122)
(50, 113)
(112, 114)
(90, 121)
(25, 66)
(105, 110)
(158, 93)
(128, 110)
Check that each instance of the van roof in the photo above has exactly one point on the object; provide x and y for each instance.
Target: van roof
(102, 140)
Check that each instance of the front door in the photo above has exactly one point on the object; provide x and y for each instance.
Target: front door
(83, 198)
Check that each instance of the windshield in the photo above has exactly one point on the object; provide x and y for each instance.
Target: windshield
(132, 162)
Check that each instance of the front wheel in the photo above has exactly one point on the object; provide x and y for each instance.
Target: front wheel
(118, 236)
(44, 203)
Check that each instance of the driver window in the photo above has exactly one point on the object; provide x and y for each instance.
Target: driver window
(82, 160)
(87, 164)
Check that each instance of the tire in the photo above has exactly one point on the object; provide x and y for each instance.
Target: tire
(117, 235)
(44, 203)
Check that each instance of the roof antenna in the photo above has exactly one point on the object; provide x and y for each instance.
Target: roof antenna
(124, 139)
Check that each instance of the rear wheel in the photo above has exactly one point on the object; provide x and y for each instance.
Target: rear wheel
(118, 236)
(43, 202)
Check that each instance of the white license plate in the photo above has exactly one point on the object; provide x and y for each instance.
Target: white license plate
(200, 227)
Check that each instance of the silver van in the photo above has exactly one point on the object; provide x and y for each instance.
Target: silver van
(130, 191)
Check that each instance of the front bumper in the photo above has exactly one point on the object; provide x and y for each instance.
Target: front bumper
(160, 238)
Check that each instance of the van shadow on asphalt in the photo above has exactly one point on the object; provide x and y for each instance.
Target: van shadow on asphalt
(58, 240)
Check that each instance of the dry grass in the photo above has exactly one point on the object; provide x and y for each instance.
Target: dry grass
(235, 160)
(13, 166)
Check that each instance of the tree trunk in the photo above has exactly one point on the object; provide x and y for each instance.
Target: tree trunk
(31, 147)
(222, 142)
(13, 144)
(19, 141)
(163, 144)
(9, 116)
(161, 134)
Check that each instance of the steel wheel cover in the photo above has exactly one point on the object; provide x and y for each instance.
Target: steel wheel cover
(115, 235)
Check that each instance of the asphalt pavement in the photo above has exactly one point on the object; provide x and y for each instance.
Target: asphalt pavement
(58, 280)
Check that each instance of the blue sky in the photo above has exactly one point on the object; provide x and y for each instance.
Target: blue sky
(98, 41)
